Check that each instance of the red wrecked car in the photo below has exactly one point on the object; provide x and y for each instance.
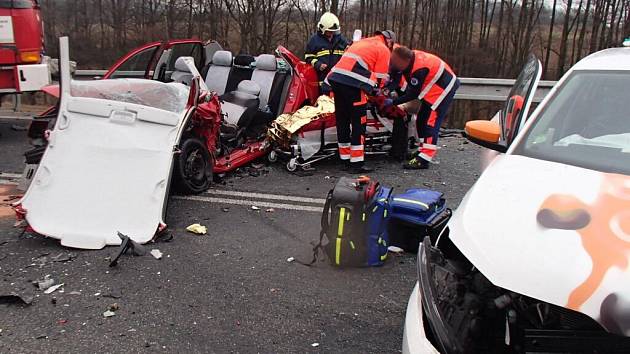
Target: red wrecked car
(228, 130)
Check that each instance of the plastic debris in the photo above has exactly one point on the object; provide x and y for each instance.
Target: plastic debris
(290, 259)
(156, 253)
(109, 313)
(53, 288)
(197, 229)
(45, 283)
(270, 210)
(255, 208)
(127, 244)
(315, 345)
(394, 249)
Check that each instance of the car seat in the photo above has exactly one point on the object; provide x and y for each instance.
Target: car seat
(219, 71)
(264, 75)
(182, 74)
(240, 107)
(242, 70)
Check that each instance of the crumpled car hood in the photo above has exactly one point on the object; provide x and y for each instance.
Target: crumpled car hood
(554, 232)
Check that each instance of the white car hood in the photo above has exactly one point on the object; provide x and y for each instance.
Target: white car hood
(554, 232)
(107, 165)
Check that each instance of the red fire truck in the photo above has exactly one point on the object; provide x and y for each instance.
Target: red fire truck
(21, 47)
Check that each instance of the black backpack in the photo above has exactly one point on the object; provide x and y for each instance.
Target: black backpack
(345, 222)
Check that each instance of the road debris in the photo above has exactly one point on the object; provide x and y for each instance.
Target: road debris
(53, 288)
(225, 210)
(290, 259)
(114, 307)
(127, 244)
(315, 345)
(255, 208)
(109, 313)
(44, 284)
(156, 253)
(270, 210)
(197, 229)
(15, 298)
(113, 294)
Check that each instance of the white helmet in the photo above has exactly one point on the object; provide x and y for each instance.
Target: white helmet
(328, 23)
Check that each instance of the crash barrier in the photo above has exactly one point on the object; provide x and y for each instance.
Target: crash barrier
(472, 89)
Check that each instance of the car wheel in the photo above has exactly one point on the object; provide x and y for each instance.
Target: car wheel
(193, 167)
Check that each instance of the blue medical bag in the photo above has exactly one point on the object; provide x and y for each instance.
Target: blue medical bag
(414, 215)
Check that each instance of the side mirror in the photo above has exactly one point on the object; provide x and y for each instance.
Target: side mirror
(485, 133)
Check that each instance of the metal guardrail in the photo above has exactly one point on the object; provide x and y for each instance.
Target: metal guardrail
(472, 89)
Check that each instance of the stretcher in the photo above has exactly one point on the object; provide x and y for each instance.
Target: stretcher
(309, 135)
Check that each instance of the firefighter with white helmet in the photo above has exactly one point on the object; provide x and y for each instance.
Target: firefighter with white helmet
(325, 47)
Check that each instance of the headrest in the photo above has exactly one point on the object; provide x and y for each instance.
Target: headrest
(249, 87)
(266, 62)
(244, 60)
(222, 58)
(244, 96)
(180, 65)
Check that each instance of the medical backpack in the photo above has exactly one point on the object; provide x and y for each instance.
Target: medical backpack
(354, 223)
(414, 215)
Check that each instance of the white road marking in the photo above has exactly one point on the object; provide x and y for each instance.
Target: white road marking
(288, 198)
(251, 202)
(10, 175)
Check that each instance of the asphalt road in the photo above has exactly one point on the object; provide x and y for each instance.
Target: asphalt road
(231, 291)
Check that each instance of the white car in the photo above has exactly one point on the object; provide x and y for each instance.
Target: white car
(537, 256)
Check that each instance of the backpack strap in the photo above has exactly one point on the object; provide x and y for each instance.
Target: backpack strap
(325, 224)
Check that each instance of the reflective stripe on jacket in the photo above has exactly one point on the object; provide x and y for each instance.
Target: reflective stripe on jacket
(364, 65)
(436, 77)
(320, 50)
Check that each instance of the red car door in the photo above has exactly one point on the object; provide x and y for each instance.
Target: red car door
(156, 60)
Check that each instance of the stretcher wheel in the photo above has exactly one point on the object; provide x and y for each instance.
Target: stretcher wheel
(272, 157)
(292, 165)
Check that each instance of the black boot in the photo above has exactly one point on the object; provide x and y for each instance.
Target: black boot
(358, 168)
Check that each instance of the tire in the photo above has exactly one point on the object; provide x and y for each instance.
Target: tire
(193, 167)
(292, 165)
(272, 157)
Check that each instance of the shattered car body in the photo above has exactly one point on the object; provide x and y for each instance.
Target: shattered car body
(122, 134)
(535, 259)
(253, 91)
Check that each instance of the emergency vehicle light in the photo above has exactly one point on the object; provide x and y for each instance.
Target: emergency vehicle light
(30, 57)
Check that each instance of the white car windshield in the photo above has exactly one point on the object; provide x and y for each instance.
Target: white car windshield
(586, 123)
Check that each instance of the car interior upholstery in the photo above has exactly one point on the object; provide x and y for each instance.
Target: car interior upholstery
(252, 90)
(218, 72)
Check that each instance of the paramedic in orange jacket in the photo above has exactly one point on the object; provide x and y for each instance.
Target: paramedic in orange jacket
(361, 71)
(430, 89)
